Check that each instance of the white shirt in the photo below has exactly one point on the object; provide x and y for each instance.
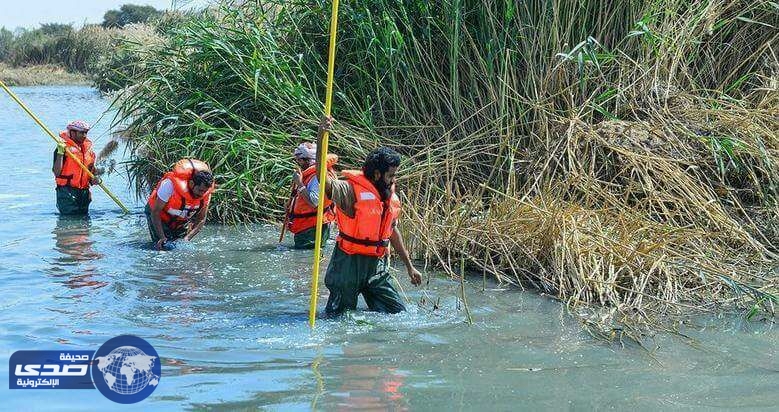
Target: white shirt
(313, 190)
(165, 191)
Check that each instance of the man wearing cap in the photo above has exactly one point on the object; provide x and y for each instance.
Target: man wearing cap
(73, 195)
(301, 212)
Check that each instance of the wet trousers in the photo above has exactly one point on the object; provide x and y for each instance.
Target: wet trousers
(171, 234)
(306, 238)
(348, 276)
(72, 201)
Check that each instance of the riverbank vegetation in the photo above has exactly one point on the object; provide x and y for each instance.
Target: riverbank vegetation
(622, 157)
(40, 75)
(58, 53)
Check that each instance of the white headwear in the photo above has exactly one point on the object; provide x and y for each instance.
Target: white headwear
(306, 150)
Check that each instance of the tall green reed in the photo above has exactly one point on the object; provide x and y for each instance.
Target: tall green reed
(547, 122)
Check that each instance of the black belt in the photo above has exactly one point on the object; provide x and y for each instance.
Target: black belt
(364, 242)
(66, 177)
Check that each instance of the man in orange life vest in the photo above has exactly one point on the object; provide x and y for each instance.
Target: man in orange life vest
(367, 210)
(302, 210)
(178, 205)
(73, 195)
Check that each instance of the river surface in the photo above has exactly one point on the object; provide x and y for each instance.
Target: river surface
(227, 314)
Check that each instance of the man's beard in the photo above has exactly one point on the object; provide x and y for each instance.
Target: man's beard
(385, 190)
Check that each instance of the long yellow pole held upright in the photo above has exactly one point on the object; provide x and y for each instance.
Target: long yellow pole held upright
(323, 168)
(72, 156)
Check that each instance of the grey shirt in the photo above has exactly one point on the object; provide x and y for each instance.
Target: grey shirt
(343, 194)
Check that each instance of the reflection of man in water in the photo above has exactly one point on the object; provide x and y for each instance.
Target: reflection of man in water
(71, 239)
(373, 387)
(181, 288)
(369, 385)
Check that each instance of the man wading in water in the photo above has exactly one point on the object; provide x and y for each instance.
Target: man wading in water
(367, 210)
(73, 195)
(178, 206)
(302, 210)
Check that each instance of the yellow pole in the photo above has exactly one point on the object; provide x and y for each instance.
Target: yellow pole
(323, 167)
(56, 139)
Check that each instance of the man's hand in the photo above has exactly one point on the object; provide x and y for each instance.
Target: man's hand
(160, 243)
(95, 181)
(297, 178)
(326, 125)
(415, 276)
(60, 147)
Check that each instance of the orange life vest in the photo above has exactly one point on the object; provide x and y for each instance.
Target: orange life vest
(369, 231)
(72, 175)
(182, 206)
(303, 215)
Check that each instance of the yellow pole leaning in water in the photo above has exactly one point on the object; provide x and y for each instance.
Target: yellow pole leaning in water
(72, 156)
(323, 167)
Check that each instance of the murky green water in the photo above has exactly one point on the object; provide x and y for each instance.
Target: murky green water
(228, 315)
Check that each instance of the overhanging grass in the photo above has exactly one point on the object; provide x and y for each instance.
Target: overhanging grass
(623, 154)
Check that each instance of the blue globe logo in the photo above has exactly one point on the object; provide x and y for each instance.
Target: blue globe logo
(126, 369)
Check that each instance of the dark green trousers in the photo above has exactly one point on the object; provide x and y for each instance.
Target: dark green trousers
(306, 238)
(350, 275)
(72, 201)
(171, 234)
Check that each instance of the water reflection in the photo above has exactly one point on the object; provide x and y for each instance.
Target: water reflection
(181, 295)
(367, 382)
(175, 287)
(77, 260)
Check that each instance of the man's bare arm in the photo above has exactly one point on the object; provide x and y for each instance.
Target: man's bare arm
(156, 210)
(56, 168)
(397, 243)
(325, 125)
(198, 222)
